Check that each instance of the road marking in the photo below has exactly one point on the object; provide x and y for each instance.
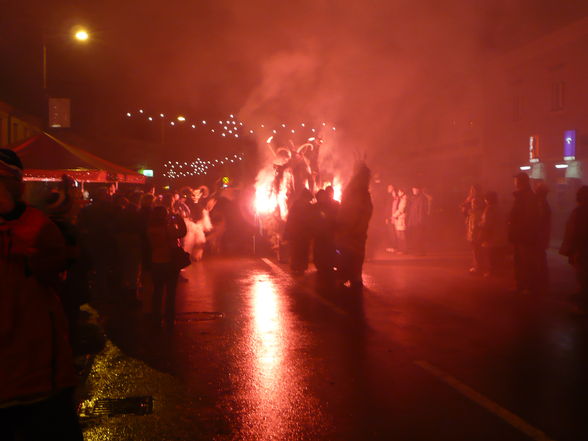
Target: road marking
(307, 289)
(275, 267)
(506, 415)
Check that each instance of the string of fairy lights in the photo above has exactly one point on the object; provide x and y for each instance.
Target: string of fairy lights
(230, 128)
(198, 167)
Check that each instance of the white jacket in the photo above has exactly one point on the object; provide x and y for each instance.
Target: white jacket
(399, 216)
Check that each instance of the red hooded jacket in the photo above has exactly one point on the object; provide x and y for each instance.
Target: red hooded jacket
(35, 355)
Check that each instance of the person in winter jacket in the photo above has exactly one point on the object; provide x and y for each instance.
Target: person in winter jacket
(325, 248)
(543, 234)
(575, 243)
(418, 212)
(492, 234)
(353, 221)
(37, 374)
(473, 208)
(390, 207)
(164, 231)
(523, 234)
(299, 230)
(399, 212)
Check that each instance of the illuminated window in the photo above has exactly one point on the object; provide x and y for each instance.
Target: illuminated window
(557, 96)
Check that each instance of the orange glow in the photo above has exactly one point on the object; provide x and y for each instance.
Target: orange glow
(338, 189)
(267, 339)
(81, 35)
(265, 200)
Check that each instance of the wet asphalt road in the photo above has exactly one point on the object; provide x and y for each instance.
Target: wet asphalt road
(425, 352)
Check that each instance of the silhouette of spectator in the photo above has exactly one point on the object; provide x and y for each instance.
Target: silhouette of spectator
(96, 226)
(543, 235)
(492, 234)
(299, 229)
(390, 207)
(399, 212)
(523, 234)
(472, 208)
(325, 249)
(164, 231)
(36, 366)
(354, 218)
(575, 243)
(418, 212)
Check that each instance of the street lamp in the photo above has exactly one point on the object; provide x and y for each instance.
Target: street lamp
(81, 35)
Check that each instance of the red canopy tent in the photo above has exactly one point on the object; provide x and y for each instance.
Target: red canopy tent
(47, 158)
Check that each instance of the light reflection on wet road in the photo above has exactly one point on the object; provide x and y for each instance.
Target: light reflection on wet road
(291, 359)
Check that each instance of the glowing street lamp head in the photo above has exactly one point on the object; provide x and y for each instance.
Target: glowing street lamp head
(181, 118)
(81, 34)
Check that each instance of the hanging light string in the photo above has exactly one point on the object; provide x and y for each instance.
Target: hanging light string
(198, 167)
(231, 127)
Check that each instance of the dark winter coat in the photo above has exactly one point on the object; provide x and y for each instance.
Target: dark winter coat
(523, 222)
(575, 243)
(418, 210)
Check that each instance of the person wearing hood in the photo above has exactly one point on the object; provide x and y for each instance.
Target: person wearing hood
(36, 363)
(353, 222)
(299, 229)
(575, 243)
(523, 234)
(325, 249)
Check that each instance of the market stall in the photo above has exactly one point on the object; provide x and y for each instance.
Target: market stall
(47, 158)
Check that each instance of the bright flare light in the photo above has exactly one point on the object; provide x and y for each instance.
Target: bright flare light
(265, 200)
(338, 190)
(181, 118)
(81, 35)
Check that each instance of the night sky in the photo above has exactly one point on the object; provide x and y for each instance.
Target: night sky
(356, 63)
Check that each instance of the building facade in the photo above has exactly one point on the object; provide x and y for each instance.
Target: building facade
(16, 126)
(535, 117)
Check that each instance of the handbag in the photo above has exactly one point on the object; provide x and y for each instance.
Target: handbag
(180, 258)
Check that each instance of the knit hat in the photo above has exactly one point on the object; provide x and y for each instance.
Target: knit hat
(10, 164)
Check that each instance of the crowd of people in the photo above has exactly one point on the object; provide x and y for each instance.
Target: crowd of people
(526, 230)
(53, 258)
(337, 232)
(64, 252)
(406, 219)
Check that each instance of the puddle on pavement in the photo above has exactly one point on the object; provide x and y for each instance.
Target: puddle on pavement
(117, 406)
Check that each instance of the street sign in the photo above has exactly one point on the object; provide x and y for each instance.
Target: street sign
(569, 145)
(534, 148)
